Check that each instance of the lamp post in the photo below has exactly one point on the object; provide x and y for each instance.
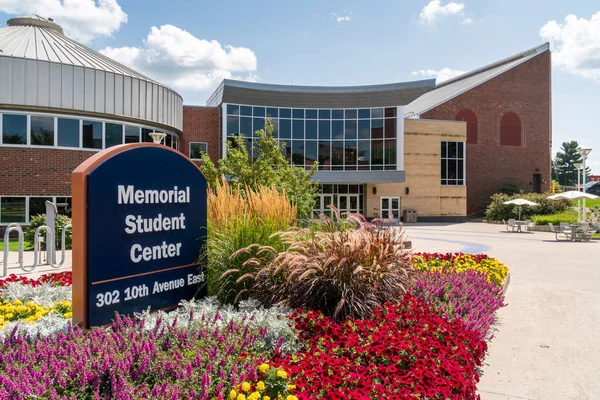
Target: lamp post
(578, 166)
(157, 137)
(584, 151)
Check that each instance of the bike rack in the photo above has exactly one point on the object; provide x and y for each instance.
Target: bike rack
(49, 239)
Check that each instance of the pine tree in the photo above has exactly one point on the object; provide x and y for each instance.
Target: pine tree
(564, 164)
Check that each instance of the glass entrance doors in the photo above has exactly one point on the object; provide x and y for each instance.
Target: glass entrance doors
(348, 199)
(390, 205)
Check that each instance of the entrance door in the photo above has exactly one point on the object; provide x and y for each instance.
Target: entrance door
(348, 204)
(390, 205)
(537, 183)
(326, 201)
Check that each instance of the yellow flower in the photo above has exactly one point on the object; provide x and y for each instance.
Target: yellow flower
(261, 385)
(291, 397)
(17, 302)
(266, 398)
(68, 315)
(232, 394)
(291, 387)
(245, 387)
(282, 374)
(241, 397)
(254, 396)
(263, 368)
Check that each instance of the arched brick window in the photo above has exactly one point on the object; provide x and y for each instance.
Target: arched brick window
(469, 117)
(510, 130)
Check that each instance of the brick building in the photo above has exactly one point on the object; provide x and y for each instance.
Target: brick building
(440, 149)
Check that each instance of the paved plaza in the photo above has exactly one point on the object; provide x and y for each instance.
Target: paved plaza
(547, 340)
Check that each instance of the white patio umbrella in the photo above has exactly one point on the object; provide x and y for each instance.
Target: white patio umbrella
(521, 202)
(572, 195)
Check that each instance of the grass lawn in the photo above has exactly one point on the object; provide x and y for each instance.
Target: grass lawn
(588, 203)
(596, 235)
(13, 245)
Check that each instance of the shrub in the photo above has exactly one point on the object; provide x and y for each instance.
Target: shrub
(497, 210)
(128, 362)
(557, 218)
(403, 351)
(344, 274)
(264, 165)
(60, 221)
(458, 262)
(237, 220)
(467, 296)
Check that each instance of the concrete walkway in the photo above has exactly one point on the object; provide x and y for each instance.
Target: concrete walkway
(14, 267)
(547, 344)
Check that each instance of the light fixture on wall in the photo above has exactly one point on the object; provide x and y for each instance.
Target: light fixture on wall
(374, 189)
(407, 190)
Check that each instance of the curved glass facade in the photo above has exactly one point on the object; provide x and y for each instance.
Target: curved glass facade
(338, 139)
(71, 132)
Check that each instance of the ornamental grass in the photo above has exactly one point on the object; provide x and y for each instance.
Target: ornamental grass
(236, 220)
(494, 270)
(468, 296)
(344, 274)
(405, 351)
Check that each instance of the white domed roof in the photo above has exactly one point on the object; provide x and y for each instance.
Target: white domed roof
(41, 67)
(37, 38)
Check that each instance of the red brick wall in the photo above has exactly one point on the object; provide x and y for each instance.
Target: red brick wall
(201, 124)
(524, 90)
(36, 171)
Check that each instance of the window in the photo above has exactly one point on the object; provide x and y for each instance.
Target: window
(42, 131)
(452, 163)
(37, 205)
(114, 135)
(197, 148)
(132, 134)
(92, 134)
(68, 132)
(469, 117)
(21, 209)
(510, 130)
(12, 209)
(339, 139)
(146, 135)
(14, 129)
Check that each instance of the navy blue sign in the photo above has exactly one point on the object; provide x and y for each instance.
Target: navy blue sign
(146, 226)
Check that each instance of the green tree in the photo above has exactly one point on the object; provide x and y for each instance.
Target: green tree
(564, 164)
(263, 165)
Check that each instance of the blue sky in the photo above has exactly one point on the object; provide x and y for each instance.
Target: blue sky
(194, 44)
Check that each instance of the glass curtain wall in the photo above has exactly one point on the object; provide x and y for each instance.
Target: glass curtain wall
(338, 139)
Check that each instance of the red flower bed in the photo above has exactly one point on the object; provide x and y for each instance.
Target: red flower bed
(403, 352)
(55, 279)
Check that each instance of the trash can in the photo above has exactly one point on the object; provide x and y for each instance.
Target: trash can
(409, 215)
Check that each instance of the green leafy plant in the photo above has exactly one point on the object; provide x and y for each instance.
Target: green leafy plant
(563, 216)
(497, 210)
(263, 165)
(344, 274)
(60, 221)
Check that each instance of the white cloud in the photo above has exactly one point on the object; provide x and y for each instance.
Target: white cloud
(434, 9)
(441, 75)
(176, 57)
(467, 21)
(341, 18)
(82, 20)
(576, 45)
